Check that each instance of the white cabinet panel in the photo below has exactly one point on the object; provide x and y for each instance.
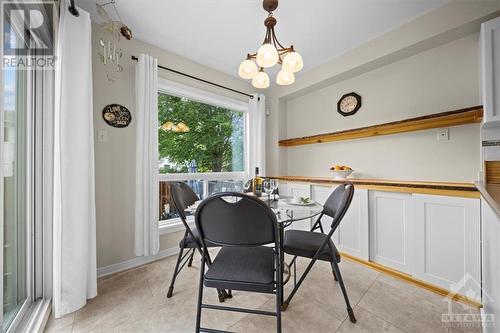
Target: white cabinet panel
(352, 234)
(391, 229)
(491, 263)
(297, 190)
(490, 71)
(447, 242)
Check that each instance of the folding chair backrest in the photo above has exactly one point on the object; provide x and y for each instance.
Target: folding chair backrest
(338, 202)
(183, 197)
(235, 219)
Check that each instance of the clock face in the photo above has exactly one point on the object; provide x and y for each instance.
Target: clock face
(349, 104)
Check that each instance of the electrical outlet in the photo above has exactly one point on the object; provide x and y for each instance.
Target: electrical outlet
(102, 136)
(443, 134)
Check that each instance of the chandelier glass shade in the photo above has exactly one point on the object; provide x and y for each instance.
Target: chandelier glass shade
(261, 80)
(270, 53)
(285, 77)
(248, 69)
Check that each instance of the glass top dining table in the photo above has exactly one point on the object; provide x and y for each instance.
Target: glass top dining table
(288, 212)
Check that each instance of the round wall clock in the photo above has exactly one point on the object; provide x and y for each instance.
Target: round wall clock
(349, 104)
(116, 115)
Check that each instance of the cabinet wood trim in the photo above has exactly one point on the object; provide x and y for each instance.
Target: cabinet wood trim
(410, 279)
(443, 119)
(465, 190)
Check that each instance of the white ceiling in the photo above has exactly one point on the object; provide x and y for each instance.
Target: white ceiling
(219, 33)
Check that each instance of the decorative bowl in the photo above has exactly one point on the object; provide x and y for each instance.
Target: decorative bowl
(341, 174)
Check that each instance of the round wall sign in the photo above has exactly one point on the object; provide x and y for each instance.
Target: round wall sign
(116, 115)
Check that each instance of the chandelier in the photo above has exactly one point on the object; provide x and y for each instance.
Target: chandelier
(269, 54)
(171, 127)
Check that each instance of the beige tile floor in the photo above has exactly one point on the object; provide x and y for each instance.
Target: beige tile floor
(135, 301)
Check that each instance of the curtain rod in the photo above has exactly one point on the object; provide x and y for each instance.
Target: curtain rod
(200, 79)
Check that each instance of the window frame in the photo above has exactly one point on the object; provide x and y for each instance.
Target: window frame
(180, 90)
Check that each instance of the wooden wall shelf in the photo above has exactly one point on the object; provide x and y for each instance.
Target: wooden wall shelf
(443, 119)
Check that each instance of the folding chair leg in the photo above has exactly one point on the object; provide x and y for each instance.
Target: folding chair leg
(336, 269)
(288, 300)
(333, 271)
(171, 288)
(200, 294)
(190, 262)
(278, 310)
(279, 291)
(295, 273)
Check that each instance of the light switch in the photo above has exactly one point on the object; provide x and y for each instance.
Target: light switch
(102, 136)
(443, 134)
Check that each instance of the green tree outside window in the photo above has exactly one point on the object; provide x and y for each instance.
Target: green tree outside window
(215, 140)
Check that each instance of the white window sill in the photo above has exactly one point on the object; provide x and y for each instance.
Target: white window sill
(175, 225)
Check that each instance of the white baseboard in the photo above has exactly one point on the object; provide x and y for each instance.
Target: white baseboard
(135, 262)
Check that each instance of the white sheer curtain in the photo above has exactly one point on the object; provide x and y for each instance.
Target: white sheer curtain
(74, 196)
(146, 165)
(257, 134)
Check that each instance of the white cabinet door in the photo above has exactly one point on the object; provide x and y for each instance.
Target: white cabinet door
(297, 190)
(490, 71)
(447, 242)
(391, 231)
(491, 263)
(351, 235)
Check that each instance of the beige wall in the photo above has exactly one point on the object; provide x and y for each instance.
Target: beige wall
(426, 66)
(441, 79)
(115, 159)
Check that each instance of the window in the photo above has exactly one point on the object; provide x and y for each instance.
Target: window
(202, 140)
(15, 208)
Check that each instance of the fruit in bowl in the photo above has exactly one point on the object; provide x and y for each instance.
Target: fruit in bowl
(341, 171)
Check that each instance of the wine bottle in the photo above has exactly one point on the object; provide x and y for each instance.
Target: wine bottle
(257, 183)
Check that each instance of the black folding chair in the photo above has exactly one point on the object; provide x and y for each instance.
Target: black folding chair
(319, 246)
(183, 197)
(242, 225)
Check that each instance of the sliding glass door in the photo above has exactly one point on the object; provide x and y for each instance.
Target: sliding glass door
(26, 115)
(15, 188)
(15, 218)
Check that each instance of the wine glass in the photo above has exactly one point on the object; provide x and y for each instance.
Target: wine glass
(274, 185)
(247, 183)
(268, 188)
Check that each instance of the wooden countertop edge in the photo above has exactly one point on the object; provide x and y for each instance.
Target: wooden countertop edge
(491, 193)
(438, 188)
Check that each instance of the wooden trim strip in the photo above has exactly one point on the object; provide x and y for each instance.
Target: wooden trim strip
(416, 282)
(467, 190)
(443, 119)
(492, 172)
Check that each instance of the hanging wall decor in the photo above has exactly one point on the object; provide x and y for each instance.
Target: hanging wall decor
(112, 31)
(116, 115)
(349, 104)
